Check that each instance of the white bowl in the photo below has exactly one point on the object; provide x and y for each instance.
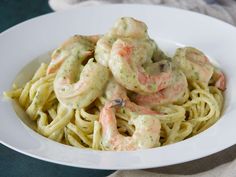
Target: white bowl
(170, 28)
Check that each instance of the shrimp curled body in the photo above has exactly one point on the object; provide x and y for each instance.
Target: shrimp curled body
(76, 85)
(125, 27)
(83, 92)
(146, 134)
(196, 66)
(171, 94)
(145, 120)
(127, 58)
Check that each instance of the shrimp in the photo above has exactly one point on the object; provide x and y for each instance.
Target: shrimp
(219, 79)
(126, 64)
(147, 125)
(125, 27)
(196, 66)
(90, 85)
(146, 134)
(71, 47)
(129, 27)
(163, 84)
(168, 95)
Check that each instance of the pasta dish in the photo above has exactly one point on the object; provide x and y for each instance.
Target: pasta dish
(119, 91)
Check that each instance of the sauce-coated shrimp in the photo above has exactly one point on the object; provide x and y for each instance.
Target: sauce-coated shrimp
(196, 66)
(171, 94)
(128, 27)
(146, 134)
(126, 64)
(163, 84)
(71, 47)
(84, 91)
(147, 125)
(125, 27)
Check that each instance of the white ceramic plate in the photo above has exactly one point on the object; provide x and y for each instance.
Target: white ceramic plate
(170, 27)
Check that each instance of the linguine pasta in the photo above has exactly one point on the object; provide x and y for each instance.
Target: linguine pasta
(200, 108)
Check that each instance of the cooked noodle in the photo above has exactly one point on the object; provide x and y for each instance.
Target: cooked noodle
(199, 109)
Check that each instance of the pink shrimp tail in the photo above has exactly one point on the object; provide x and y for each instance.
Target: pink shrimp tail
(221, 83)
(107, 118)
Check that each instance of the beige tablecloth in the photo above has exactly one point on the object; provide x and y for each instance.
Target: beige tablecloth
(222, 164)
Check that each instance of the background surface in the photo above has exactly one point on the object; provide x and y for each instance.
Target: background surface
(14, 164)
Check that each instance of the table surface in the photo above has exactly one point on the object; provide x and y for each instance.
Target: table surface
(14, 164)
